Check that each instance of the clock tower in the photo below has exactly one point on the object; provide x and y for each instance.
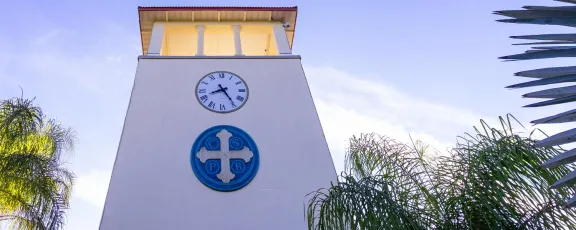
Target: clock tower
(221, 131)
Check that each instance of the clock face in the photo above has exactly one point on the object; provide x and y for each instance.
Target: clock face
(222, 92)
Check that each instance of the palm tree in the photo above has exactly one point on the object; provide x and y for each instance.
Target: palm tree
(561, 16)
(34, 186)
(490, 180)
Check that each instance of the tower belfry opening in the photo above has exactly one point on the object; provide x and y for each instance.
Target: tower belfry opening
(217, 31)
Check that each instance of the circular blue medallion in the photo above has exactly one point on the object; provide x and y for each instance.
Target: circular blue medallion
(224, 158)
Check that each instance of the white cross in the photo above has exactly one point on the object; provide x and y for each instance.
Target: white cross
(225, 155)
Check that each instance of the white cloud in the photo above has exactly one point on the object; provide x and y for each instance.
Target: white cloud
(92, 187)
(382, 99)
(114, 58)
(4, 60)
(46, 37)
(350, 105)
(97, 66)
(6, 57)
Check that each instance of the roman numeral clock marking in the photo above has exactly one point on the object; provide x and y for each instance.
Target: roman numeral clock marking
(222, 92)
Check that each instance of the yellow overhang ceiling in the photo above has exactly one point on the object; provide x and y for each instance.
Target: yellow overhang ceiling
(150, 14)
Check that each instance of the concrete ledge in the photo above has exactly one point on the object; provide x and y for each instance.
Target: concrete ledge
(292, 56)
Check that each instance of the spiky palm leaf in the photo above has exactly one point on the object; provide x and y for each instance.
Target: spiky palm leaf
(490, 180)
(497, 182)
(386, 186)
(559, 15)
(34, 186)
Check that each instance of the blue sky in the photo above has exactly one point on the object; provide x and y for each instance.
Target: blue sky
(424, 68)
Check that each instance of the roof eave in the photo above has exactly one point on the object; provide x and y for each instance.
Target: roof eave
(217, 8)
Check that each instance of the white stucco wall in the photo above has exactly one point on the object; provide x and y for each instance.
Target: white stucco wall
(153, 185)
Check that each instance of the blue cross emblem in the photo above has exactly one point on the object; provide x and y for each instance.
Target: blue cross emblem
(224, 158)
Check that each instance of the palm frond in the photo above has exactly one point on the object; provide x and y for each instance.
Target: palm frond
(386, 186)
(491, 179)
(557, 15)
(35, 187)
(500, 177)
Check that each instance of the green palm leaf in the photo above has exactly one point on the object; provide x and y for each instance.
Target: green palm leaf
(34, 186)
(490, 180)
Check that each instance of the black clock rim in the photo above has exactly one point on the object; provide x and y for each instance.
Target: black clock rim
(222, 112)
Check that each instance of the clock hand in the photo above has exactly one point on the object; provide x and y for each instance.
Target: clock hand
(216, 91)
(224, 90)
